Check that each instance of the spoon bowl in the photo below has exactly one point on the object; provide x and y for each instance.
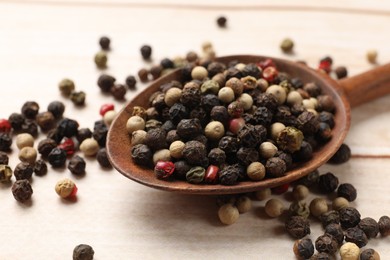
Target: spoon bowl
(119, 143)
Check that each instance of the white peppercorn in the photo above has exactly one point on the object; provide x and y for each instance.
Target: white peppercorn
(66, 188)
(109, 117)
(318, 206)
(340, 203)
(89, 147)
(176, 149)
(246, 101)
(228, 214)
(199, 73)
(28, 154)
(138, 137)
(313, 111)
(349, 251)
(24, 140)
(372, 56)
(135, 123)
(256, 171)
(314, 101)
(240, 66)
(300, 192)
(214, 130)
(161, 155)
(226, 95)
(279, 92)
(207, 46)
(263, 194)
(274, 208)
(267, 150)
(243, 204)
(172, 96)
(294, 98)
(276, 128)
(308, 104)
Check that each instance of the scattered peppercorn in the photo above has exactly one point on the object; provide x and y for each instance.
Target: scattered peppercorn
(357, 236)
(299, 208)
(77, 165)
(349, 251)
(21, 190)
(347, 191)
(104, 43)
(89, 147)
(303, 248)
(146, 52)
(339, 203)
(372, 56)
(66, 188)
(369, 254)
(384, 226)
(287, 45)
(66, 87)
(326, 244)
(221, 21)
(330, 217)
(143, 75)
(16, 120)
(298, 226)
(23, 171)
(328, 182)
(40, 167)
(101, 59)
(83, 252)
(341, 72)
(57, 157)
(342, 155)
(78, 98)
(45, 120)
(5, 173)
(102, 158)
(369, 226)
(335, 231)
(228, 214)
(4, 158)
(29, 126)
(105, 82)
(45, 146)
(5, 142)
(349, 217)
(28, 154)
(318, 206)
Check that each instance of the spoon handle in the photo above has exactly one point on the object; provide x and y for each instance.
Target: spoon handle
(367, 86)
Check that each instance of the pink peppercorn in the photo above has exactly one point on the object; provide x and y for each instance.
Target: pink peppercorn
(280, 189)
(266, 63)
(67, 145)
(236, 124)
(270, 73)
(325, 65)
(211, 175)
(105, 108)
(164, 169)
(5, 126)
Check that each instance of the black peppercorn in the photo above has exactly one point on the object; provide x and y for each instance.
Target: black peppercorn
(324, 132)
(118, 91)
(29, 126)
(201, 114)
(328, 182)
(305, 153)
(143, 75)
(221, 21)
(357, 236)
(141, 154)
(23, 171)
(216, 156)
(297, 82)
(369, 254)
(55, 135)
(251, 136)
(308, 123)
(45, 146)
(5, 142)
(369, 226)
(67, 127)
(78, 98)
(384, 226)
(341, 72)
(155, 139)
(16, 120)
(21, 190)
(195, 152)
(4, 158)
(251, 69)
(228, 144)
(232, 72)
(342, 155)
(347, 191)
(286, 157)
(77, 165)
(82, 134)
(181, 168)
(262, 116)
(215, 68)
(335, 231)
(40, 167)
(104, 43)
(330, 217)
(105, 82)
(297, 226)
(349, 217)
(247, 155)
(228, 175)
(303, 248)
(57, 108)
(100, 131)
(275, 167)
(191, 95)
(325, 103)
(220, 113)
(326, 244)
(102, 158)
(266, 100)
(146, 52)
(57, 157)
(131, 82)
(312, 88)
(172, 136)
(83, 252)
(156, 71)
(45, 120)
(326, 117)
(209, 101)
(30, 109)
(311, 179)
(322, 256)
(167, 63)
(177, 112)
(188, 128)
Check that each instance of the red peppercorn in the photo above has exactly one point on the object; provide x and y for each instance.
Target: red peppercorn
(67, 145)
(280, 189)
(73, 193)
(266, 63)
(164, 169)
(235, 109)
(105, 108)
(325, 65)
(236, 124)
(5, 126)
(270, 73)
(211, 175)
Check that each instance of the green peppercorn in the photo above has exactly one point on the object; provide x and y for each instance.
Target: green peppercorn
(287, 45)
(101, 59)
(195, 174)
(66, 86)
(210, 86)
(5, 173)
(299, 208)
(78, 98)
(290, 139)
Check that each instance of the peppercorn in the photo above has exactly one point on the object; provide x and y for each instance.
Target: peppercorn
(89, 147)
(101, 59)
(328, 182)
(228, 214)
(252, 70)
(357, 236)
(216, 156)
(67, 145)
(226, 94)
(5, 173)
(275, 167)
(384, 226)
(278, 190)
(339, 203)
(209, 101)
(369, 254)
(141, 154)
(24, 140)
(78, 98)
(195, 175)
(16, 120)
(118, 91)
(326, 117)
(4, 158)
(189, 128)
(326, 244)
(330, 217)
(45, 120)
(318, 206)
(299, 208)
(143, 75)
(131, 82)
(263, 194)
(68, 127)
(214, 130)
(66, 188)
(229, 175)
(23, 171)
(369, 226)
(290, 139)
(57, 157)
(371, 56)
(349, 251)
(255, 171)
(56, 108)
(167, 63)
(349, 217)
(181, 168)
(102, 158)
(45, 146)
(30, 109)
(297, 226)
(270, 73)
(303, 248)
(267, 150)
(105, 82)
(21, 190)
(5, 142)
(40, 167)
(325, 103)
(247, 155)
(77, 165)
(341, 72)
(287, 45)
(321, 256)
(221, 21)
(29, 126)
(211, 174)
(300, 192)
(243, 204)
(162, 155)
(273, 207)
(251, 136)
(146, 52)
(66, 86)
(5, 126)
(109, 117)
(347, 191)
(336, 232)
(342, 155)
(28, 154)
(83, 252)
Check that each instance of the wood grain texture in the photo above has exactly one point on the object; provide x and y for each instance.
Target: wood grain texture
(42, 42)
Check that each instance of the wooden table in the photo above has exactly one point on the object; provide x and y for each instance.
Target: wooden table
(44, 41)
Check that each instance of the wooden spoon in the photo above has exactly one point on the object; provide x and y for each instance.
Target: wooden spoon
(350, 91)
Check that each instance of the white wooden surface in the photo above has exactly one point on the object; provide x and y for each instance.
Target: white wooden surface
(43, 41)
